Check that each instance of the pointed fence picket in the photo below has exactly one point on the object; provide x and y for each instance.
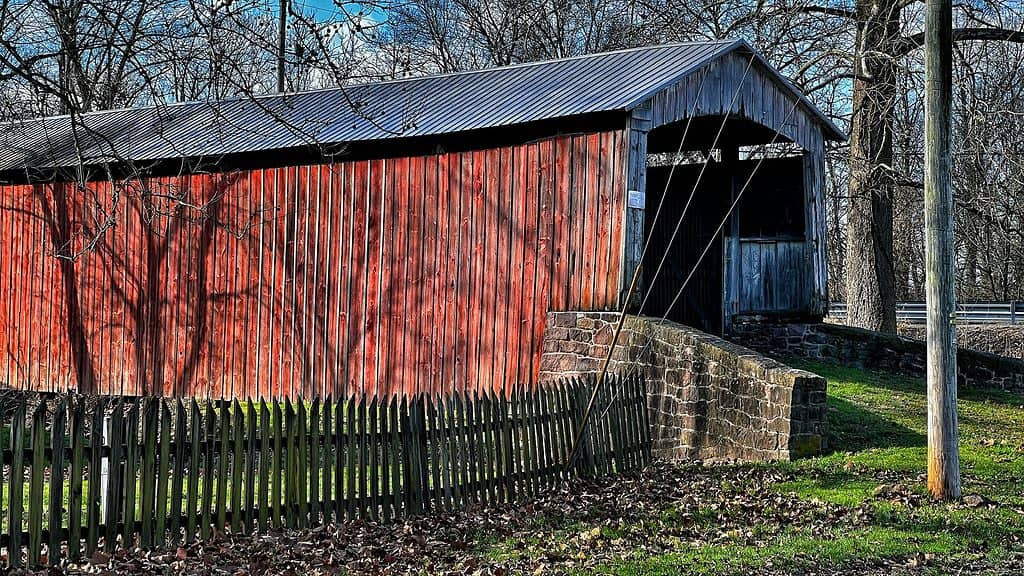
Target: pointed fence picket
(178, 470)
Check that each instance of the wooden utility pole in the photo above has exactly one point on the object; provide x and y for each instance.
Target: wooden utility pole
(943, 444)
(282, 37)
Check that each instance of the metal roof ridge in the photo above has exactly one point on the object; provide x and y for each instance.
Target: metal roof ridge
(284, 95)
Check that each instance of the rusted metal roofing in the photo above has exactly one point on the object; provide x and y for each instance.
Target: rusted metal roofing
(424, 106)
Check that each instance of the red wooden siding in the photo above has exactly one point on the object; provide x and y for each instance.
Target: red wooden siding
(404, 274)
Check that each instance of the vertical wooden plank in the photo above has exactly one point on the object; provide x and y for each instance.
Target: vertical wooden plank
(302, 483)
(35, 490)
(356, 278)
(92, 515)
(449, 180)
(237, 451)
(644, 422)
(452, 443)
(434, 232)
(415, 347)
(398, 278)
(480, 452)
(92, 510)
(109, 532)
(178, 470)
(440, 358)
(639, 406)
(150, 415)
(532, 445)
(16, 493)
(55, 521)
(460, 466)
(636, 181)
(406, 439)
(339, 460)
(542, 441)
(74, 538)
(224, 450)
(275, 471)
(130, 477)
(547, 421)
(386, 271)
(396, 458)
(629, 422)
(313, 462)
(248, 511)
(522, 442)
(437, 452)
(422, 473)
(597, 430)
(567, 428)
(195, 449)
(611, 419)
(327, 459)
(385, 464)
(266, 438)
(350, 458)
(291, 461)
(372, 445)
(462, 190)
(472, 448)
(515, 453)
(443, 429)
(495, 434)
(607, 434)
(519, 197)
(206, 498)
(363, 436)
(541, 282)
(162, 474)
(498, 436)
(557, 433)
(486, 414)
(625, 399)
(500, 197)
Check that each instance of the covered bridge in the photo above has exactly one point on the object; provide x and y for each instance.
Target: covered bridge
(408, 235)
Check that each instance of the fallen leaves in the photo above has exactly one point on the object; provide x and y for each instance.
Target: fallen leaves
(566, 528)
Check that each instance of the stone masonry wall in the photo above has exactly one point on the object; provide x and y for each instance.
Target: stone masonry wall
(869, 349)
(708, 398)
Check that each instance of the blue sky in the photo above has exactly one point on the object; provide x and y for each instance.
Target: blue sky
(325, 10)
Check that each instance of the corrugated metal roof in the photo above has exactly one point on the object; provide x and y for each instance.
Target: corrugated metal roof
(422, 106)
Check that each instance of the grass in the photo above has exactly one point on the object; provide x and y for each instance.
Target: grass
(877, 424)
(865, 503)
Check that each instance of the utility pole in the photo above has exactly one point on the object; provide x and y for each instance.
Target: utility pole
(281, 39)
(943, 442)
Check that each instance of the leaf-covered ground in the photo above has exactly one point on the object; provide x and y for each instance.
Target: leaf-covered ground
(859, 510)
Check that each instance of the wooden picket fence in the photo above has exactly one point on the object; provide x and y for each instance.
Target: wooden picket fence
(90, 473)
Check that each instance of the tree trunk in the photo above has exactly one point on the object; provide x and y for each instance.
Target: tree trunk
(870, 273)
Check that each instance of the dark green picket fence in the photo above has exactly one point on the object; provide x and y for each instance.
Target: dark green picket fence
(179, 470)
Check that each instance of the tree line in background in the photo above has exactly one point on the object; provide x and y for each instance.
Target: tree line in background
(859, 60)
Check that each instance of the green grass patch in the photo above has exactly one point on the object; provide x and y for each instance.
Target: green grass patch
(866, 503)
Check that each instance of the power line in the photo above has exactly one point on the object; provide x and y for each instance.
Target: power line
(636, 273)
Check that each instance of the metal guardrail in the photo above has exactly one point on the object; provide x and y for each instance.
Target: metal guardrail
(966, 313)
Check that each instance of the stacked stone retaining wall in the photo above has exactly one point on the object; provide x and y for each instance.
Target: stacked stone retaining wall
(708, 398)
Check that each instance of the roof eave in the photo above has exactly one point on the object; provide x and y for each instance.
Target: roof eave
(830, 130)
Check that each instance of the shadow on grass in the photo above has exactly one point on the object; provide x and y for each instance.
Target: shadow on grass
(852, 429)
